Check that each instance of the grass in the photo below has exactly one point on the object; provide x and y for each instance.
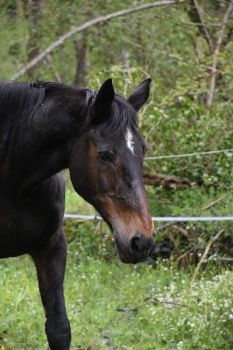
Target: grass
(75, 204)
(159, 309)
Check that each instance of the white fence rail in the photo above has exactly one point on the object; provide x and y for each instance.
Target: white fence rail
(157, 218)
(187, 155)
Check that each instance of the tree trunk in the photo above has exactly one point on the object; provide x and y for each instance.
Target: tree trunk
(82, 61)
(32, 10)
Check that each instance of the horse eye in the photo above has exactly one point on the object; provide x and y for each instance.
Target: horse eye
(106, 156)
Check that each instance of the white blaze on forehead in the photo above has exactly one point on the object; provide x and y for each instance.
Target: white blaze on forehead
(129, 140)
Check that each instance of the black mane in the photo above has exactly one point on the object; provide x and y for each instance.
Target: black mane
(122, 114)
(18, 101)
(19, 98)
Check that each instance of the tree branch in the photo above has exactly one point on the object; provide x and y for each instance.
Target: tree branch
(211, 241)
(216, 54)
(55, 73)
(88, 24)
(166, 181)
(196, 16)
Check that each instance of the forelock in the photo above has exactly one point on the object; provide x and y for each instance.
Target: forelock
(122, 117)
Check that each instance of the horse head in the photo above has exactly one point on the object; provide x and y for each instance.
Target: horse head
(106, 168)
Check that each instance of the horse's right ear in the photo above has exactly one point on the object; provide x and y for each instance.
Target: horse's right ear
(103, 102)
(140, 95)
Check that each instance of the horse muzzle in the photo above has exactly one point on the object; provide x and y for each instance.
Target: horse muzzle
(137, 250)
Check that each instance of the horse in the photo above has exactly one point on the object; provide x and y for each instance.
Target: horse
(46, 127)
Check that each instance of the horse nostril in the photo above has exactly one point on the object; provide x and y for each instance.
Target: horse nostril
(135, 244)
(141, 244)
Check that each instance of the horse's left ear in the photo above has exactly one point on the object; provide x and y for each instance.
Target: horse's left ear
(103, 102)
(140, 95)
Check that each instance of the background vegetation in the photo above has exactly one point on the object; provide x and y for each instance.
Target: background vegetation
(187, 50)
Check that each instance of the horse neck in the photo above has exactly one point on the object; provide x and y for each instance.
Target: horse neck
(46, 139)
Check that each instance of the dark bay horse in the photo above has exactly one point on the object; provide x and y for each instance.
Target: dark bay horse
(47, 127)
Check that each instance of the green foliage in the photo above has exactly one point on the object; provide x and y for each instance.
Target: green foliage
(123, 306)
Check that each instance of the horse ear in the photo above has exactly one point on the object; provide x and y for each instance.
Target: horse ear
(140, 95)
(103, 102)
